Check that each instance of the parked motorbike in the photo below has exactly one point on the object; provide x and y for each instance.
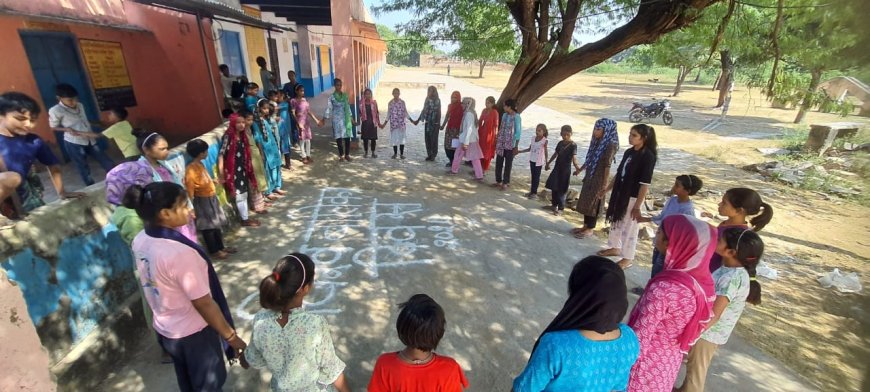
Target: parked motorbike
(639, 111)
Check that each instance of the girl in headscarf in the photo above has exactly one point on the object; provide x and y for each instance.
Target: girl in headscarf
(469, 148)
(431, 114)
(586, 342)
(509, 131)
(488, 125)
(630, 187)
(453, 121)
(676, 305)
(370, 120)
(338, 110)
(235, 168)
(601, 153)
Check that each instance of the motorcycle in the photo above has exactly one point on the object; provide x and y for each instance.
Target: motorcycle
(639, 111)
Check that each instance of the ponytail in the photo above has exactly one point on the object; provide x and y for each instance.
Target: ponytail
(290, 275)
(691, 183)
(148, 201)
(748, 248)
(751, 203)
(146, 139)
(762, 219)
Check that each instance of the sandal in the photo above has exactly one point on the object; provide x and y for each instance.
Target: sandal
(608, 252)
(583, 234)
(626, 265)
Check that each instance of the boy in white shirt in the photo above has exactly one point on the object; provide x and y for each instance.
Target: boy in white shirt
(80, 140)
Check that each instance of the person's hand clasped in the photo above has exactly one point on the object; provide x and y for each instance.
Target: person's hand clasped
(635, 214)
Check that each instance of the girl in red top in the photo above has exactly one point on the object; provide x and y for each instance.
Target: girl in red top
(418, 368)
(488, 125)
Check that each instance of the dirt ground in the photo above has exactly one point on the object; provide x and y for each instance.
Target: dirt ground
(820, 333)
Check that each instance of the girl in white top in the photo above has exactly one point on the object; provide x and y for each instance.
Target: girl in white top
(538, 156)
(468, 138)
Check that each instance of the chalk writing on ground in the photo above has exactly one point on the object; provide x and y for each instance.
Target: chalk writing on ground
(347, 230)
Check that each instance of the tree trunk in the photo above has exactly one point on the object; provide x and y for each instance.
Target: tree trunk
(777, 53)
(482, 64)
(807, 102)
(727, 78)
(684, 71)
(716, 82)
(698, 76)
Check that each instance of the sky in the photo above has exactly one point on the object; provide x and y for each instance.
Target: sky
(393, 19)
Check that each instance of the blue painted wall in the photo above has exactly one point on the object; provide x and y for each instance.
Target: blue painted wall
(90, 279)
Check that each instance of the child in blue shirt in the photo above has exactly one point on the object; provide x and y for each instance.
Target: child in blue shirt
(679, 204)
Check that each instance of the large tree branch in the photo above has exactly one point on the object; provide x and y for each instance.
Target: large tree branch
(569, 23)
(654, 18)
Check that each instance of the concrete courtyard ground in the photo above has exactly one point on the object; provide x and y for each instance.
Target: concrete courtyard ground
(497, 262)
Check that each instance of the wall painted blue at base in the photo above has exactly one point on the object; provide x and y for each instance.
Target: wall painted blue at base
(93, 272)
(312, 85)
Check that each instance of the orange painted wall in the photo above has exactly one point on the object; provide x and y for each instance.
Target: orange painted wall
(167, 67)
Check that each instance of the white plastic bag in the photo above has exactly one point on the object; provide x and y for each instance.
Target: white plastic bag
(849, 283)
(764, 270)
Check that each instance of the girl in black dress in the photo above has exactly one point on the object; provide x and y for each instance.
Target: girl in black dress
(630, 187)
(560, 178)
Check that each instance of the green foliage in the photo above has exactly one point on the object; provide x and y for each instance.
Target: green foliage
(487, 34)
(400, 46)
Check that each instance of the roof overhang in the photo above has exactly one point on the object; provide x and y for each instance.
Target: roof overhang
(215, 10)
(303, 12)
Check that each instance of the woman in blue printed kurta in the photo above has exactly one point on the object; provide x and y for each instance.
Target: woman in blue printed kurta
(285, 128)
(586, 347)
(264, 134)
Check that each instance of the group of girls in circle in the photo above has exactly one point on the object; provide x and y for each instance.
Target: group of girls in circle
(284, 122)
(684, 310)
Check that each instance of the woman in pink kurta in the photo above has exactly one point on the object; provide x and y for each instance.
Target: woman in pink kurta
(300, 111)
(676, 305)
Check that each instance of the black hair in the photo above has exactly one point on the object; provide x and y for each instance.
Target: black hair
(258, 118)
(648, 134)
(299, 87)
(421, 323)
(252, 86)
(691, 183)
(280, 287)
(749, 248)
(751, 203)
(245, 113)
(224, 66)
(336, 81)
(196, 147)
(511, 103)
(120, 112)
(261, 59)
(146, 139)
(149, 200)
(13, 101)
(566, 128)
(271, 93)
(368, 90)
(131, 197)
(546, 132)
(490, 99)
(291, 72)
(65, 90)
(226, 113)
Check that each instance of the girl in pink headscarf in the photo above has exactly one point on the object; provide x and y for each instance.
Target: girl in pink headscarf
(676, 305)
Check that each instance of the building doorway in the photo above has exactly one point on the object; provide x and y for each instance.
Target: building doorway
(231, 52)
(55, 58)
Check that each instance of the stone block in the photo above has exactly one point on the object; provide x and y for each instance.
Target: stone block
(822, 136)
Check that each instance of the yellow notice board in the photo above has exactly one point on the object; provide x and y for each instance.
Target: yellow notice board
(105, 62)
(108, 70)
(324, 60)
